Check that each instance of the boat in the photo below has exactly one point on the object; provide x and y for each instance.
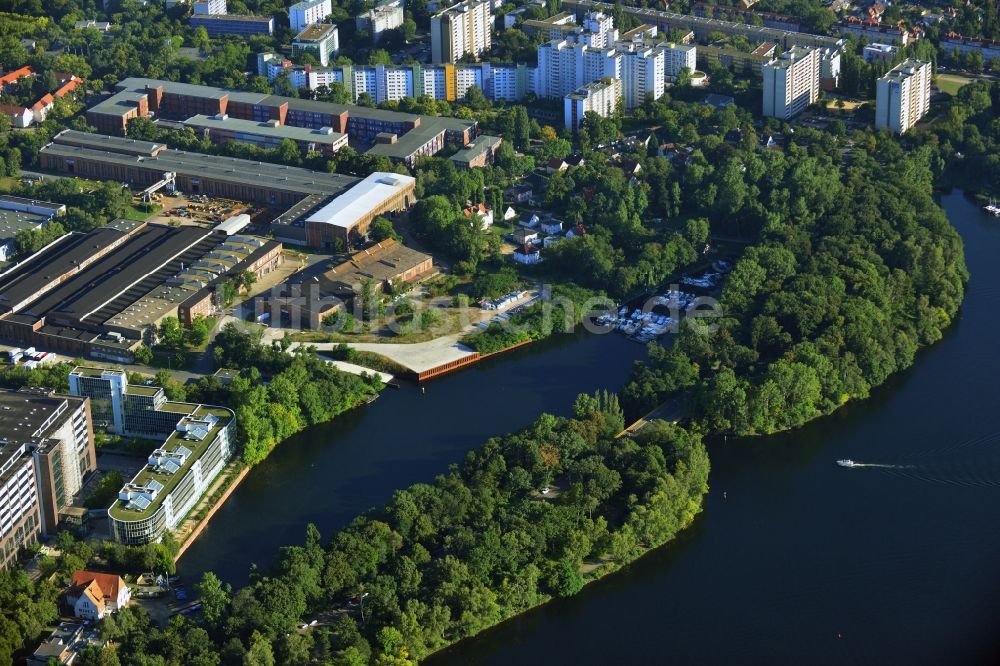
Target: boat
(847, 462)
(992, 208)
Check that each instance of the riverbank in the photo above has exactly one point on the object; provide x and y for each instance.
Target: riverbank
(227, 482)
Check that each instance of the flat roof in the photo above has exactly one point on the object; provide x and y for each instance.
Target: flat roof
(202, 121)
(232, 18)
(315, 32)
(7, 201)
(228, 169)
(119, 103)
(12, 221)
(141, 256)
(26, 415)
(52, 262)
(360, 200)
(477, 147)
(119, 510)
(115, 144)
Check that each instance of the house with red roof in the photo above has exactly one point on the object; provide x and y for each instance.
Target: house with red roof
(95, 592)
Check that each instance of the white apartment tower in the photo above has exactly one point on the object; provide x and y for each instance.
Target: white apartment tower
(903, 96)
(376, 21)
(460, 29)
(303, 13)
(600, 97)
(564, 66)
(599, 30)
(676, 58)
(791, 82)
(641, 73)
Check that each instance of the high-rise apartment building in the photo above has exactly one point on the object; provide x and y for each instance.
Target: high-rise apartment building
(600, 97)
(791, 82)
(383, 17)
(564, 66)
(903, 96)
(461, 29)
(678, 57)
(303, 13)
(640, 69)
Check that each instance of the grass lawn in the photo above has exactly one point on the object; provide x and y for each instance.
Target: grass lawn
(8, 183)
(950, 83)
(141, 212)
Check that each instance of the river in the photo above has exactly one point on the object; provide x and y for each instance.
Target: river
(793, 559)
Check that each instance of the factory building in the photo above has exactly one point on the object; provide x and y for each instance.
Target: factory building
(347, 217)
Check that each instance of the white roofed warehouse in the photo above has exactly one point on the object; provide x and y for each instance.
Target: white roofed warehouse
(349, 215)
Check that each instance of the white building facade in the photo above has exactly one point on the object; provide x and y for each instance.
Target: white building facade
(791, 82)
(461, 29)
(903, 96)
(303, 13)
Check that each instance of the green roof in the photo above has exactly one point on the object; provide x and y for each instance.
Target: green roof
(120, 511)
(142, 390)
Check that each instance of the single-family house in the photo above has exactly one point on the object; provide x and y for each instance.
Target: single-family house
(527, 254)
(20, 116)
(575, 160)
(631, 167)
(528, 219)
(555, 164)
(509, 214)
(115, 594)
(550, 240)
(87, 601)
(578, 230)
(519, 193)
(479, 212)
(552, 226)
(524, 236)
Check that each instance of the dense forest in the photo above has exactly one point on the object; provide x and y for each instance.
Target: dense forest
(302, 390)
(848, 280)
(526, 517)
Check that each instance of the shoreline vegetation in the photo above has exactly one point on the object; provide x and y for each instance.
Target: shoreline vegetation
(525, 518)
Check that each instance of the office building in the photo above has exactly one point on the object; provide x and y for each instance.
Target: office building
(199, 441)
(600, 97)
(461, 29)
(380, 19)
(319, 39)
(903, 96)
(46, 451)
(301, 14)
(791, 82)
(233, 24)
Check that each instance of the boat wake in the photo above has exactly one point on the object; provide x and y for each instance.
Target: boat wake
(852, 464)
